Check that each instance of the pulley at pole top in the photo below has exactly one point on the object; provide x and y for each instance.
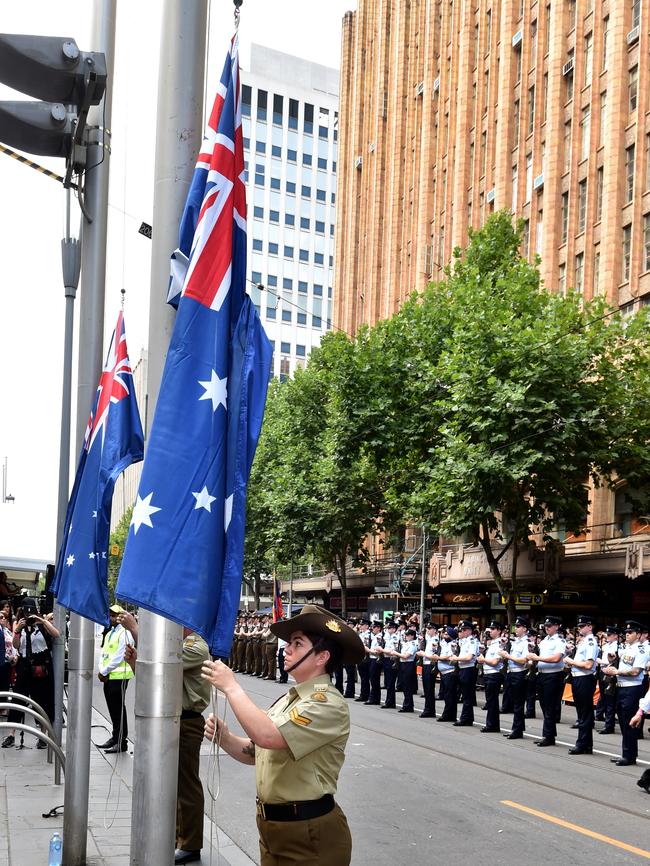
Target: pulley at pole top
(238, 4)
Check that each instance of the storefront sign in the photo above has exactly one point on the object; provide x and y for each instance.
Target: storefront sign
(463, 597)
(526, 598)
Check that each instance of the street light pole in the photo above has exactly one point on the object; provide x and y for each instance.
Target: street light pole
(91, 336)
(424, 563)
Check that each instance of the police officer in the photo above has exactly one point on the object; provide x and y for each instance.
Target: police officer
(517, 658)
(406, 656)
(468, 650)
(364, 665)
(583, 674)
(448, 674)
(629, 690)
(492, 662)
(550, 677)
(609, 658)
(389, 664)
(374, 670)
(428, 654)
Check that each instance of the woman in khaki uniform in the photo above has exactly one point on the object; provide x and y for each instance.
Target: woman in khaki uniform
(298, 745)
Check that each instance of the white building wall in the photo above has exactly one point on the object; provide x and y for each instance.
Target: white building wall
(290, 120)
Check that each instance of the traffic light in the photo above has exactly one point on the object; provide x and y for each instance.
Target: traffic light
(67, 80)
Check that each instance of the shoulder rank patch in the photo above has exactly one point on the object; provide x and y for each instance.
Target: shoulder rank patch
(297, 719)
(318, 696)
(321, 687)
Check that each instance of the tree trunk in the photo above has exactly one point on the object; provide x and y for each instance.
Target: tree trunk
(256, 590)
(343, 580)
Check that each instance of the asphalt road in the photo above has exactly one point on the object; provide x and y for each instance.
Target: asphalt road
(413, 789)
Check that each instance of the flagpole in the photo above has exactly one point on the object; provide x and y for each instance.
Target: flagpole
(91, 335)
(158, 695)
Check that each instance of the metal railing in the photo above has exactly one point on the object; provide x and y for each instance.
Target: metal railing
(23, 704)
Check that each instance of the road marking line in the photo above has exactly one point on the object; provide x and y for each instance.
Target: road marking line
(578, 829)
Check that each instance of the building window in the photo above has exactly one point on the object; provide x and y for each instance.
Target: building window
(565, 216)
(320, 195)
(646, 242)
(518, 64)
(257, 245)
(561, 280)
(275, 183)
(287, 284)
(292, 155)
(515, 172)
(318, 291)
(286, 315)
(600, 182)
(273, 249)
(516, 123)
(306, 159)
(539, 232)
(627, 251)
(603, 118)
(300, 350)
(277, 109)
(293, 114)
(647, 161)
(290, 187)
(545, 96)
(305, 223)
(258, 213)
(529, 176)
(301, 318)
(261, 104)
(305, 191)
(597, 272)
(486, 91)
(585, 130)
(531, 109)
(533, 42)
(568, 79)
(260, 147)
(579, 273)
(629, 173)
(246, 96)
(320, 227)
(319, 259)
(582, 205)
(567, 145)
(525, 241)
(274, 216)
(483, 153)
(303, 255)
(605, 34)
(636, 13)
(270, 313)
(633, 87)
(589, 57)
(488, 35)
(289, 219)
(288, 252)
(309, 118)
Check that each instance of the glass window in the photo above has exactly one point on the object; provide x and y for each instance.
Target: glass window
(567, 145)
(289, 219)
(647, 161)
(273, 248)
(270, 313)
(276, 151)
(274, 216)
(579, 273)
(318, 259)
(320, 227)
(306, 159)
(539, 232)
(258, 213)
(277, 109)
(247, 143)
(529, 176)
(300, 350)
(275, 183)
(260, 147)
(603, 118)
(292, 155)
(309, 118)
(533, 42)
(272, 280)
(246, 97)
(290, 187)
(318, 291)
(585, 124)
(285, 348)
(256, 276)
(301, 318)
(286, 315)
(305, 191)
(582, 205)
(514, 188)
(597, 271)
(304, 223)
(636, 13)
(257, 244)
(561, 280)
(605, 33)
(600, 179)
(565, 216)
(531, 109)
(262, 97)
(646, 242)
(303, 255)
(627, 251)
(516, 124)
(633, 87)
(322, 163)
(259, 180)
(288, 252)
(629, 173)
(287, 284)
(589, 57)
(323, 132)
(293, 114)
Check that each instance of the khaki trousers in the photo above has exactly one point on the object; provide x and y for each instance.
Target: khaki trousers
(189, 799)
(271, 650)
(323, 841)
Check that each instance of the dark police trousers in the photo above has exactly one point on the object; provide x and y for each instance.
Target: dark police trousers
(409, 683)
(364, 676)
(449, 694)
(583, 689)
(350, 680)
(492, 690)
(550, 687)
(189, 796)
(467, 678)
(375, 681)
(627, 703)
(428, 687)
(390, 675)
(115, 694)
(518, 683)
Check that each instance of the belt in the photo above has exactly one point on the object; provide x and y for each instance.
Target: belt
(190, 714)
(299, 811)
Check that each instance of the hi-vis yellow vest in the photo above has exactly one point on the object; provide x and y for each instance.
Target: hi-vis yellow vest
(111, 646)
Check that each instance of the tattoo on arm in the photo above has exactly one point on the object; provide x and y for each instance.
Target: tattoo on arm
(249, 749)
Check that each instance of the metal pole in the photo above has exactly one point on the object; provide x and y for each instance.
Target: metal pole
(71, 265)
(291, 591)
(91, 337)
(158, 684)
(424, 565)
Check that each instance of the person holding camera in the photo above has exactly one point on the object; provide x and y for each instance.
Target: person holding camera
(32, 638)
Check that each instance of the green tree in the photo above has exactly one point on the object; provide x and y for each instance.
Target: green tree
(117, 540)
(534, 393)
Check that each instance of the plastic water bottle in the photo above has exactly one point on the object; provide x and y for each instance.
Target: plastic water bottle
(56, 846)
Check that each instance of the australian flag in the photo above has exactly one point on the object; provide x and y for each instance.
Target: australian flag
(113, 441)
(185, 549)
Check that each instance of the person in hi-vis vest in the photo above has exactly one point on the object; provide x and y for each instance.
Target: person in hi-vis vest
(115, 673)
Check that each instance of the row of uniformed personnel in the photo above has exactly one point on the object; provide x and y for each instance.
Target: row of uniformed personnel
(255, 647)
(515, 664)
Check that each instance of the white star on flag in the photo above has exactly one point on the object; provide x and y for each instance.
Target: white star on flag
(94, 514)
(203, 499)
(142, 511)
(91, 555)
(215, 390)
(227, 512)
(70, 560)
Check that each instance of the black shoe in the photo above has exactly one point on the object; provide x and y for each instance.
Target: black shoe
(463, 724)
(8, 742)
(181, 856)
(576, 751)
(427, 715)
(622, 762)
(607, 731)
(387, 707)
(372, 703)
(514, 736)
(107, 744)
(117, 748)
(361, 700)
(41, 744)
(406, 710)
(443, 719)
(490, 731)
(545, 742)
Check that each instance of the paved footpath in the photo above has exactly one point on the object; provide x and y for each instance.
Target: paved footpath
(27, 791)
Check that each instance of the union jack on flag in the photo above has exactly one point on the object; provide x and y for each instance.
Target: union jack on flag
(184, 553)
(113, 440)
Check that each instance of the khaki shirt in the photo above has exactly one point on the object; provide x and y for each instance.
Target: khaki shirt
(314, 719)
(196, 690)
